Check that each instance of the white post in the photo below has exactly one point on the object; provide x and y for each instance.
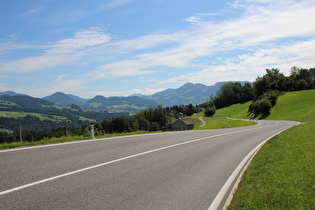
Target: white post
(92, 131)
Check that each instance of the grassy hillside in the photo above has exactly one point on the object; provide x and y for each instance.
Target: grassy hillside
(235, 111)
(297, 106)
(281, 174)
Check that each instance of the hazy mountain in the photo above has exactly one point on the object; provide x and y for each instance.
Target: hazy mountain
(131, 103)
(11, 93)
(77, 98)
(24, 101)
(186, 94)
(61, 99)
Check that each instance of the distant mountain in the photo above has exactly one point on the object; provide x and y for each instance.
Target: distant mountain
(61, 99)
(186, 94)
(24, 101)
(131, 103)
(11, 93)
(77, 98)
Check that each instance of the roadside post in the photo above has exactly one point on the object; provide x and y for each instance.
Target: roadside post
(92, 131)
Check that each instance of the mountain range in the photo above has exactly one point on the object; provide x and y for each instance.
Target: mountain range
(186, 94)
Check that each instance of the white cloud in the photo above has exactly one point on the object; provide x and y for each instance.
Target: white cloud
(267, 34)
(147, 91)
(267, 27)
(249, 66)
(120, 69)
(63, 52)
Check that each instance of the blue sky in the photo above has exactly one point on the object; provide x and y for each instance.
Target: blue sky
(123, 47)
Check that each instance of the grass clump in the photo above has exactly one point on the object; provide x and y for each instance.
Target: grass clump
(281, 176)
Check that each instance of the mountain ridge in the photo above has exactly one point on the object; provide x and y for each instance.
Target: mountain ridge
(188, 93)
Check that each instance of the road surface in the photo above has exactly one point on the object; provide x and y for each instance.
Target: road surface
(171, 170)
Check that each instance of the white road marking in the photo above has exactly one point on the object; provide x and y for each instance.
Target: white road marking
(114, 161)
(237, 174)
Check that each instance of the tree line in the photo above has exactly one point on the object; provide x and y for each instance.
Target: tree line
(147, 120)
(263, 92)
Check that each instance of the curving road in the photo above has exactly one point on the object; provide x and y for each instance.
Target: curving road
(172, 170)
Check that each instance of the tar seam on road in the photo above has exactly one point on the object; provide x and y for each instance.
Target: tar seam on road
(114, 161)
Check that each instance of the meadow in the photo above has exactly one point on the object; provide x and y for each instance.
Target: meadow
(281, 175)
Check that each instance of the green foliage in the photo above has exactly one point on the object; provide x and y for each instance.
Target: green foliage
(233, 93)
(210, 109)
(296, 106)
(273, 82)
(281, 176)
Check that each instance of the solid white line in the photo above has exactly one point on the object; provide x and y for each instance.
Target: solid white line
(74, 142)
(237, 174)
(114, 161)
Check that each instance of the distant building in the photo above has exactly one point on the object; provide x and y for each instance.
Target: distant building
(181, 124)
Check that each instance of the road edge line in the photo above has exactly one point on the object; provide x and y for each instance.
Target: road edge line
(237, 175)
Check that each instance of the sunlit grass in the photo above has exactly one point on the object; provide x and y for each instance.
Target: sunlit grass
(281, 176)
(216, 123)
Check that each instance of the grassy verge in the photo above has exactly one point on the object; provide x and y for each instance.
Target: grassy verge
(63, 139)
(212, 123)
(281, 176)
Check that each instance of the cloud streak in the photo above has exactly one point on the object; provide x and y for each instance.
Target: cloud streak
(266, 34)
(63, 52)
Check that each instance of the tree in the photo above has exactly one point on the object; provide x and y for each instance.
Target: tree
(273, 80)
(232, 93)
(191, 109)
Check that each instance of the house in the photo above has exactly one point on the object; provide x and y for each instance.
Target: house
(181, 124)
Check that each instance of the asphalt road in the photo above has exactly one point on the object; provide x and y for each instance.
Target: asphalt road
(172, 170)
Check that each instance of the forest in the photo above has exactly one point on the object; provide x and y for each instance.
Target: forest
(263, 93)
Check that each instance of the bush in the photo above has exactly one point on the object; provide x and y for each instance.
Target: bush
(209, 111)
(264, 107)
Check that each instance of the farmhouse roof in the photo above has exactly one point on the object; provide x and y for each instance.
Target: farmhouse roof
(188, 121)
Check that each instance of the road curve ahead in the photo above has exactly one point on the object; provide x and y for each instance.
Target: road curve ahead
(172, 170)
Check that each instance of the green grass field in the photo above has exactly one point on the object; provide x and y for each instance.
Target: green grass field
(214, 123)
(234, 111)
(282, 174)
(297, 106)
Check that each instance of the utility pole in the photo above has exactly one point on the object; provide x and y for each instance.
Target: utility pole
(66, 128)
(21, 138)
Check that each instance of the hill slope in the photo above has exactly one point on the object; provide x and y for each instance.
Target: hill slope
(131, 104)
(26, 101)
(297, 106)
(61, 99)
